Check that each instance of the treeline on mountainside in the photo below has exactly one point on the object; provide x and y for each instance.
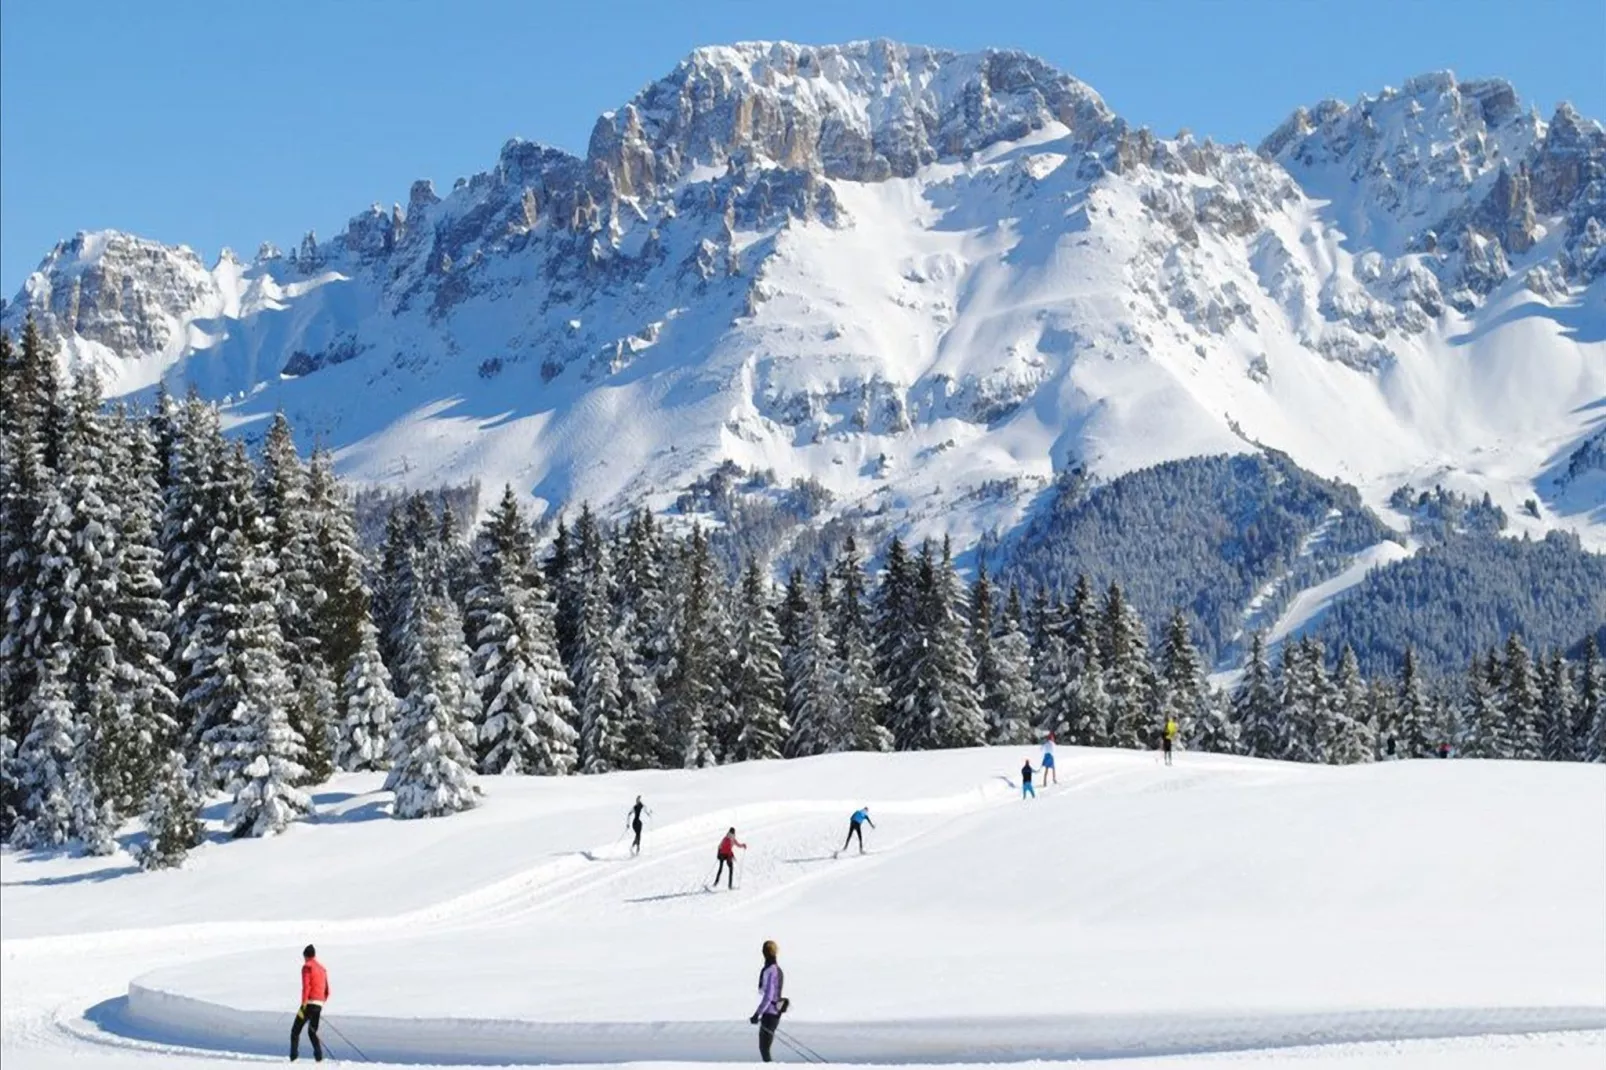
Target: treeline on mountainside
(183, 619)
(1209, 535)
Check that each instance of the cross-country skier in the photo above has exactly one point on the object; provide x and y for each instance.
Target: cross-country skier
(314, 992)
(727, 857)
(771, 1004)
(1026, 789)
(856, 823)
(1048, 760)
(635, 824)
(1169, 737)
(1444, 749)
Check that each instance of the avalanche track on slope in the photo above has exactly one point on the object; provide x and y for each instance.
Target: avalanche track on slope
(913, 953)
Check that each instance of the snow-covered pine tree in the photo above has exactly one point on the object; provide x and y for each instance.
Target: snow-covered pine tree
(1054, 684)
(527, 723)
(1262, 732)
(1299, 701)
(644, 625)
(609, 739)
(1416, 717)
(147, 706)
(694, 701)
(432, 752)
(1557, 700)
(1592, 703)
(47, 771)
(860, 701)
(1520, 699)
(1009, 699)
(1351, 739)
(943, 708)
(362, 740)
(1482, 720)
(172, 816)
(814, 718)
(1186, 695)
(759, 697)
(190, 530)
(342, 617)
(1123, 649)
(897, 640)
(1383, 706)
(1081, 626)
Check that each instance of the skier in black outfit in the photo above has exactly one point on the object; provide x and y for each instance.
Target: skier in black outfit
(771, 1003)
(635, 824)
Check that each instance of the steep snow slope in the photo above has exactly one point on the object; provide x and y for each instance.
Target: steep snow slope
(927, 280)
(1223, 904)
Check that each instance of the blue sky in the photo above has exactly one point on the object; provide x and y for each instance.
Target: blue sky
(220, 123)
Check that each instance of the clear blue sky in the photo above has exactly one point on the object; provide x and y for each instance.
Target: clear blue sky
(226, 123)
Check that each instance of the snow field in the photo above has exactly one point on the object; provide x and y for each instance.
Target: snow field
(1220, 905)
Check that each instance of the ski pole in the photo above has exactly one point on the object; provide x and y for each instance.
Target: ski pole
(347, 1042)
(799, 1047)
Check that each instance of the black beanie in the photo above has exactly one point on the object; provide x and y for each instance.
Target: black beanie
(309, 952)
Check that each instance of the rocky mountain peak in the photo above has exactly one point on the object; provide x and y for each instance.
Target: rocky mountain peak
(864, 111)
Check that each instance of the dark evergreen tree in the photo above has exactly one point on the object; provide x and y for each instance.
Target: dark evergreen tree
(759, 694)
(1556, 702)
(1520, 700)
(1128, 682)
(1416, 719)
(172, 816)
(1262, 732)
(1592, 703)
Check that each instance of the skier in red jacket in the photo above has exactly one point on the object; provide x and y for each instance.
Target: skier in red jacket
(314, 992)
(727, 857)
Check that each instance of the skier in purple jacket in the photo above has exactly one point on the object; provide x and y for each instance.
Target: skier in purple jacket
(771, 1004)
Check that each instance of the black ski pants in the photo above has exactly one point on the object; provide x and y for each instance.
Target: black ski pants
(725, 863)
(854, 830)
(635, 844)
(310, 1020)
(766, 1034)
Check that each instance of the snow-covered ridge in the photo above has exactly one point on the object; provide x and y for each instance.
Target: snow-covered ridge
(925, 281)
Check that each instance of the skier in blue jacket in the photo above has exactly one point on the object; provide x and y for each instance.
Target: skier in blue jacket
(856, 823)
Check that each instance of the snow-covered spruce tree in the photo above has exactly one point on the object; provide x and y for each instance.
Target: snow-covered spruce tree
(172, 816)
(814, 693)
(288, 531)
(147, 706)
(1520, 699)
(1557, 700)
(190, 523)
(1592, 703)
(643, 627)
(1383, 707)
(1185, 694)
(605, 727)
(1351, 738)
(527, 723)
(860, 701)
(1262, 732)
(1299, 700)
(943, 708)
(31, 435)
(341, 619)
(1009, 699)
(432, 752)
(759, 696)
(1416, 720)
(694, 698)
(46, 762)
(1054, 688)
(362, 739)
(1127, 678)
(898, 641)
(1482, 720)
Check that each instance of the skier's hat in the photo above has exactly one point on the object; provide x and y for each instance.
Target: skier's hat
(309, 952)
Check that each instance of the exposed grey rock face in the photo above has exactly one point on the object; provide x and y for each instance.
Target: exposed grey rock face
(1462, 175)
(129, 294)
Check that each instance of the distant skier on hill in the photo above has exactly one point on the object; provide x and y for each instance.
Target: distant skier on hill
(727, 858)
(771, 1003)
(635, 823)
(856, 823)
(314, 993)
(1048, 761)
(1169, 737)
(1026, 774)
(1444, 749)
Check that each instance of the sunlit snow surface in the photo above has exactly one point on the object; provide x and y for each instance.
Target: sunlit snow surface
(1222, 912)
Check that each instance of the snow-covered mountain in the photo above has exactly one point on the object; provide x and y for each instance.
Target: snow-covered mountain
(928, 281)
